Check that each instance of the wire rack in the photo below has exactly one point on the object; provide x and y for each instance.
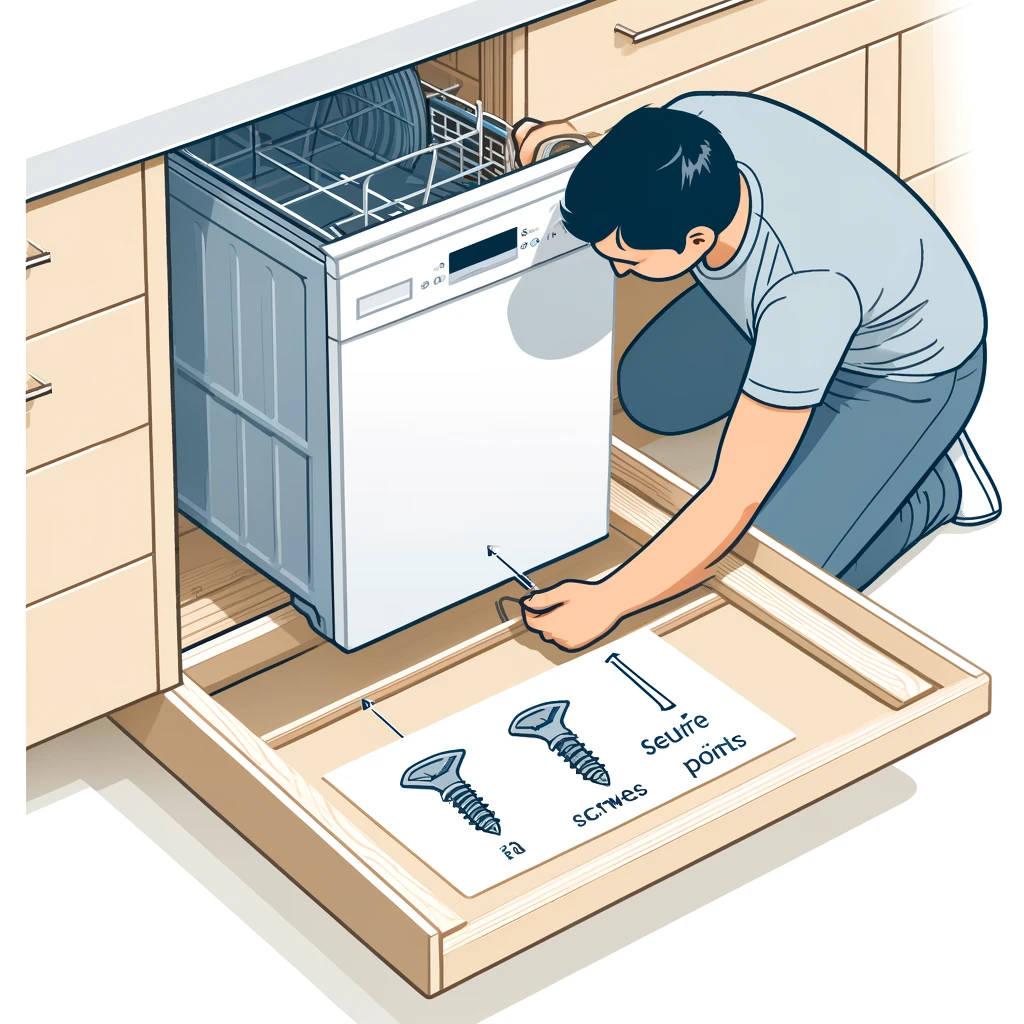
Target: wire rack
(321, 175)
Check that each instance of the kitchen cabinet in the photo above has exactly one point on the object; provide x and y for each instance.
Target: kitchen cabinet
(101, 600)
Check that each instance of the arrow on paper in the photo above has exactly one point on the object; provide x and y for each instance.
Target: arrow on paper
(368, 706)
(638, 680)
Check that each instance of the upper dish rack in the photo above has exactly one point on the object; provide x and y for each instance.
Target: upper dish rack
(300, 163)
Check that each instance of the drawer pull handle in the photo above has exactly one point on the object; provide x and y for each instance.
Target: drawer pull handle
(37, 258)
(687, 19)
(45, 388)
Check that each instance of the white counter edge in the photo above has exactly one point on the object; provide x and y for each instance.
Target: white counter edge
(150, 136)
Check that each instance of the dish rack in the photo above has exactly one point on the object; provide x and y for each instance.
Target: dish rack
(335, 187)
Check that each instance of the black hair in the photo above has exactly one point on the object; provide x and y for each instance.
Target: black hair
(657, 175)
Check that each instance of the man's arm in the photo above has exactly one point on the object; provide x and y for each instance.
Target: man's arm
(759, 442)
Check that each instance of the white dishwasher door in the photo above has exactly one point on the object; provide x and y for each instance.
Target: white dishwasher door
(483, 420)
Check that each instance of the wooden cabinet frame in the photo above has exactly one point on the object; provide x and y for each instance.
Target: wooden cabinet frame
(916, 691)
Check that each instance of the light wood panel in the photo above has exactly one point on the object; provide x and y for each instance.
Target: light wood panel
(934, 122)
(883, 107)
(88, 514)
(94, 235)
(950, 190)
(716, 820)
(294, 828)
(161, 431)
(833, 93)
(89, 650)
(97, 367)
(760, 65)
(577, 61)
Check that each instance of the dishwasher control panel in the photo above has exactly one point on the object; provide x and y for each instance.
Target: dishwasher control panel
(452, 264)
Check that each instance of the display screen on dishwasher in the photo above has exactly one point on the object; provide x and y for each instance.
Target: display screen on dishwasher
(482, 255)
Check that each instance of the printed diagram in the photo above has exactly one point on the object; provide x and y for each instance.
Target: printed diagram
(547, 722)
(618, 745)
(638, 680)
(440, 772)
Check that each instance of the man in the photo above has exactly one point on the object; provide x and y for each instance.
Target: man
(834, 320)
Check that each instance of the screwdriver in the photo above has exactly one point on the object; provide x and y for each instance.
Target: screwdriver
(521, 578)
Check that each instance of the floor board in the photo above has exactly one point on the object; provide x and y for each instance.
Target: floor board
(216, 589)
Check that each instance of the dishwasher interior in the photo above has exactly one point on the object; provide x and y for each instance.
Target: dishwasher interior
(362, 155)
(368, 307)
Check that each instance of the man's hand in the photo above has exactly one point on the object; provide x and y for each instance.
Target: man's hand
(758, 442)
(573, 614)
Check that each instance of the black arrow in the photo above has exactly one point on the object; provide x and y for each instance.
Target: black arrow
(368, 706)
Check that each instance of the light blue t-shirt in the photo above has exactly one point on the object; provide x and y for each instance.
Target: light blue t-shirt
(841, 264)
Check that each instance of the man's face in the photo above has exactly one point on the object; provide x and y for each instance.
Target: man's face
(655, 264)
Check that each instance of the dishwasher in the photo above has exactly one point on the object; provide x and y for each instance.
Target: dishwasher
(388, 354)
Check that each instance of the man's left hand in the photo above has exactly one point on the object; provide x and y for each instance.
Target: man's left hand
(572, 615)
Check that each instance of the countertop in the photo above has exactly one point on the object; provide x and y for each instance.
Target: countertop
(208, 65)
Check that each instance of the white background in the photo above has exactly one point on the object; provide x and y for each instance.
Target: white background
(131, 901)
(532, 791)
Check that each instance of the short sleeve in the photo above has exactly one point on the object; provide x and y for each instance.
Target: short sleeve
(802, 327)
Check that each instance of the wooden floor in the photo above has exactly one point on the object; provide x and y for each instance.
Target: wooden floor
(216, 589)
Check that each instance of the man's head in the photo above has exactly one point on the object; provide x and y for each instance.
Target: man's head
(654, 194)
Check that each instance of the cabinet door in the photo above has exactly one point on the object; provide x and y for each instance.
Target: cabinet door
(833, 93)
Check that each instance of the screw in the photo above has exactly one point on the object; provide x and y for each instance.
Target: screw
(546, 722)
(440, 772)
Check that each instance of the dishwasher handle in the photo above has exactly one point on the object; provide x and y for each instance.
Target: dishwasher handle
(644, 34)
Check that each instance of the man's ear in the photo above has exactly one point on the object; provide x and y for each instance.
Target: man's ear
(701, 238)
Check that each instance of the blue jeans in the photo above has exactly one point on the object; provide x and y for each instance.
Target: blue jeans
(869, 478)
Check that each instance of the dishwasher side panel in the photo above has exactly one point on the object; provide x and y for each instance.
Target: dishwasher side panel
(248, 321)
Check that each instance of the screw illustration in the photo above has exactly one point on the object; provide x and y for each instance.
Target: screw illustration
(440, 772)
(547, 722)
(634, 677)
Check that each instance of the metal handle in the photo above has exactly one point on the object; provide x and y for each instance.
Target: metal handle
(41, 256)
(687, 19)
(45, 388)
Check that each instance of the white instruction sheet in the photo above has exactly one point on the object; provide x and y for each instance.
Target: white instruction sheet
(527, 774)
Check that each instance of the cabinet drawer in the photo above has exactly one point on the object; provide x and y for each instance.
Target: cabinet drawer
(578, 60)
(765, 65)
(88, 514)
(857, 687)
(97, 370)
(93, 234)
(90, 650)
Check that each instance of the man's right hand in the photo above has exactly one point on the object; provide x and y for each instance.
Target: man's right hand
(529, 133)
